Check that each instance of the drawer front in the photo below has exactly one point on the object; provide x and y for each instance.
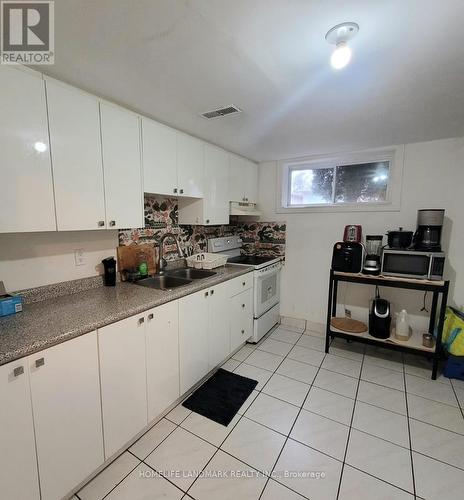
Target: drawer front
(241, 327)
(240, 284)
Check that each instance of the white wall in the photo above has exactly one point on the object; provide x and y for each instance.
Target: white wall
(32, 259)
(433, 178)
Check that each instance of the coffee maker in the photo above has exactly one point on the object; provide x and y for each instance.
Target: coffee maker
(373, 249)
(427, 237)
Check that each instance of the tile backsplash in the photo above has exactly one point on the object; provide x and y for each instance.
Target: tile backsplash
(161, 216)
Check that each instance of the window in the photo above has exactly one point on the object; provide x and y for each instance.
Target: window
(347, 182)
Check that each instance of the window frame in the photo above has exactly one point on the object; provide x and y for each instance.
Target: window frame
(394, 155)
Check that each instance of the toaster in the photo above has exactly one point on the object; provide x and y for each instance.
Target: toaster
(348, 257)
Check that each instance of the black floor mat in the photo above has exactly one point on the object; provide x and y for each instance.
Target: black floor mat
(221, 396)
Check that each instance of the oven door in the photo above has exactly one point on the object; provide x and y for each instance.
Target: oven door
(267, 288)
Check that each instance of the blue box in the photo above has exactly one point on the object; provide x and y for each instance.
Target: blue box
(10, 304)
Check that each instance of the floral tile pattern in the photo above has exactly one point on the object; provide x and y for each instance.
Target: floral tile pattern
(162, 216)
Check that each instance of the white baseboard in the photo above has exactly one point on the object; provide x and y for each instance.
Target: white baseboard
(313, 327)
(296, 324)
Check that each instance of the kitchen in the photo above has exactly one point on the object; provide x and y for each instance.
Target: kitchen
(112, 177)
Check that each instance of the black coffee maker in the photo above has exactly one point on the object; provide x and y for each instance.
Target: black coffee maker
(427, 237)
(109, 265)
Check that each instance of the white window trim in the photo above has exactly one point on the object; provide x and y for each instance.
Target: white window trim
(394, 154)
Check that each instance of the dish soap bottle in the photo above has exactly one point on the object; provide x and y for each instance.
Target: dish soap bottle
(402, 326)
(142, 266)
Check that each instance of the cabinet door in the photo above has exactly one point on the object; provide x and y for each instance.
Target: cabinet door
(76, 153)
(18, 464)
(123, 381)
(26, 201)
(219, 325)
(190, 166)
(193, 339)
(162, 337)
(241, 313)
(120, 131)
(236, 178)
(67, 414)
(250, 176)
(216, 196)
(159, 158)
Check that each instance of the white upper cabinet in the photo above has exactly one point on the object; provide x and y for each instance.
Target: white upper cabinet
(74, 122)
(18, 463)
(190, 166)
(67, 414)
(120, 132)
(216, 185)
(159, 146)
(243, 176)
(26, 201)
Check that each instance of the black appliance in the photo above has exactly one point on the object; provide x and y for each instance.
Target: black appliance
(429, 227)
(373, 249)
(380, 318)
(413, 264)
(348, 257)
(109, 265)
(400, 239)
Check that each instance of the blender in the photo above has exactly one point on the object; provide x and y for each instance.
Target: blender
(373, 248)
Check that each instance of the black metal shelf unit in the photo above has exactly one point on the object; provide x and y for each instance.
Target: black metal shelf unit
(436, 288)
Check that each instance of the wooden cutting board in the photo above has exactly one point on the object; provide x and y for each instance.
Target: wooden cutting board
(127, 257)
(349, 325)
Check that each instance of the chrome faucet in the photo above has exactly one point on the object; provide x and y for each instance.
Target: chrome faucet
(161, 260)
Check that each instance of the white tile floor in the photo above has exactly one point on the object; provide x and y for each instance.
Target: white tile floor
(358, 423)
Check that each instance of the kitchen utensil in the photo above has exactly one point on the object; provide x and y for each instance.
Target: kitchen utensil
(347, 257)
(373, 248)
(429, 228)
(349, 325)
(400, 238)
(128, 259)
(353, 232)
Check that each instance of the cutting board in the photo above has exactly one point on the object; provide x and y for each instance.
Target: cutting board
(349, 325)
(127, 257)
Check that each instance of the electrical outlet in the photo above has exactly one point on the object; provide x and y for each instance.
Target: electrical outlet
(79, 257)
(347, 313)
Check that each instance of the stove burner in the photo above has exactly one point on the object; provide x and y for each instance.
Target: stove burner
(251, 260)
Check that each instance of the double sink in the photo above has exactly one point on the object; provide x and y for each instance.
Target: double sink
(174, 278)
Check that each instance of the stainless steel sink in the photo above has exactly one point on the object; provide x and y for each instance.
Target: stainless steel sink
(163, 282)
(190, 273)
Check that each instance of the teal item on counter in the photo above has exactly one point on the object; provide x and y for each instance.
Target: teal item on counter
(10, 304)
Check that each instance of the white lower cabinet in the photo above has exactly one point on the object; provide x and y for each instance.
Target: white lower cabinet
(18, 463)
(193, 338)
(218, 325)
(241, 318)
(123, 381)
(162, 355)
(67, 414)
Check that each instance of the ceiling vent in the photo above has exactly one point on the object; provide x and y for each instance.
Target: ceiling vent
(217, 113)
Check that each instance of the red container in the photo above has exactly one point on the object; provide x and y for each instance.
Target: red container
(353, 232)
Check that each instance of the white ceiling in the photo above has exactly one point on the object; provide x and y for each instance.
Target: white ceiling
(171, 59)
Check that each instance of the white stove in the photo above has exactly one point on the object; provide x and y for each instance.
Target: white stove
(266, 281)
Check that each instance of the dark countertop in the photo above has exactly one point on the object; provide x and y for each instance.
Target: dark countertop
(50, 322)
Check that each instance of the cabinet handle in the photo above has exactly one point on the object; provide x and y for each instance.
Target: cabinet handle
(112, 223)
(207, 221)
(243, 305)
(39, 362)
(150, 316)
(174, 190)
(101, 223)
(246, 199)
(181, 191)
(19, 370)
(243, 331)
(212, 292)
(243, 283)
(141, 321)
(206, 294)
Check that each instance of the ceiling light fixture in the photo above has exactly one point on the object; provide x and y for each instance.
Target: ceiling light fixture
(339, 35)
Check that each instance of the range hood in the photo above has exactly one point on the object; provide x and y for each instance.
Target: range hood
(244, 208)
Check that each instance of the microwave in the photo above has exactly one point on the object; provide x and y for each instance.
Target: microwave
(413, 264)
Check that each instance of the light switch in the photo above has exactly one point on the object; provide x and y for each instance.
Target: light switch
(79, 257)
